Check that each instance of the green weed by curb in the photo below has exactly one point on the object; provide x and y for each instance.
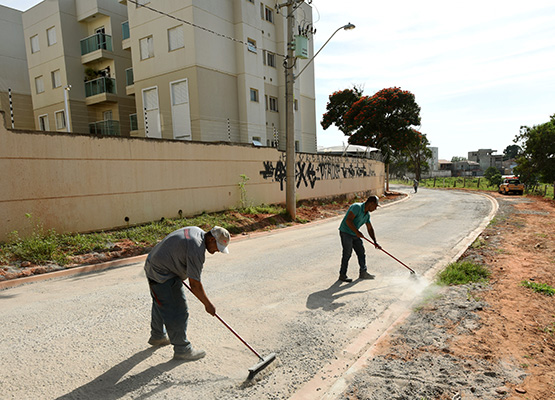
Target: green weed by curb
(461, 273)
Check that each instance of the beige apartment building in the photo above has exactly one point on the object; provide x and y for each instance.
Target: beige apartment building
(202, 70)
(13, 67)
(76, 64)
(213, 71)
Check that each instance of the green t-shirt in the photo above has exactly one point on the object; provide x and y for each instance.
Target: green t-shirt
(361, 218)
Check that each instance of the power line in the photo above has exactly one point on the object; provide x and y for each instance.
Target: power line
(195, 25)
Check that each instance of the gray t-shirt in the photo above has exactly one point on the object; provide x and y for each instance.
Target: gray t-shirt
(181, 254)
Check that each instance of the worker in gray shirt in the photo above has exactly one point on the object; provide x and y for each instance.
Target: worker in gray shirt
(180, 256)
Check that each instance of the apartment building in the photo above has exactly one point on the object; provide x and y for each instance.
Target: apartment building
(13, 67)
(76, 65)
(213, 71)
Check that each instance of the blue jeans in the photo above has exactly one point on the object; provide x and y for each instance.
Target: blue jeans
(350, 242)
(169, 311)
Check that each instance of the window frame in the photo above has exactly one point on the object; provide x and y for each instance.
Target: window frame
(181, 42)
(63, 120)
(52, 77)
(254, 92)
(273, 104)
(149, 45)
(40, 79)
(271, 59)
(34, 39)
(251, 45)
(51, 29)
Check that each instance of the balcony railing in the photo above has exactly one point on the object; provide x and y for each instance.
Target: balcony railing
(96, 42)
(108, 127)
(133, 122)
(129, 77)
(100, 85)
(125, 30)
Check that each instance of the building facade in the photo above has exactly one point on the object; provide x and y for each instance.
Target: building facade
(13, 82)
(77, 66)
(213, 71)
(485, 158)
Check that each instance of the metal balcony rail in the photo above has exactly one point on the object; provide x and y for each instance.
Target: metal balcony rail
(96, 42)
(107, 127)
(100, 85)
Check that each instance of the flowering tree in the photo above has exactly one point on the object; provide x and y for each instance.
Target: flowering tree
(383, 120)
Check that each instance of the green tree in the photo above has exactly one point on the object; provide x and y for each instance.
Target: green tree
(383, 120)
(511, 152)
(537, 159)
(493, 176)
(418, 154)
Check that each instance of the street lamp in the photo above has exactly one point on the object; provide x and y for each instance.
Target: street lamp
(67, 88)
(290, 78)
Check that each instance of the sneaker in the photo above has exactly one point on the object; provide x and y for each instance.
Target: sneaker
(159, 342)
(190, 355)
(366, 275)
(343, 278)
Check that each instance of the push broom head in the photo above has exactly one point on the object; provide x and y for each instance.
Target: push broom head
(263, 363)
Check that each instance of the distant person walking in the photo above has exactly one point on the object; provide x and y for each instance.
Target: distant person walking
(357, 215)
(415, 185)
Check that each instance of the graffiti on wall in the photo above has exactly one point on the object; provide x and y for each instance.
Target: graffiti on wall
(310, 169)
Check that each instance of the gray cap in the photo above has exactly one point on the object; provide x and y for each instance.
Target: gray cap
(222, 237)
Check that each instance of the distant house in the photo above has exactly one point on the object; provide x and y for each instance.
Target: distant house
(351, 150)
(485, 159)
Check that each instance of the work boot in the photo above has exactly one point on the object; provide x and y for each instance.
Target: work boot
(344, 278)
(159, 342)
(190, 355)
(366, 275)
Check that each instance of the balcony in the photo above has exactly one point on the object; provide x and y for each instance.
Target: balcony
(108, 127)
(96, 47)
(129, 82)
(100, 90)
(126, 41)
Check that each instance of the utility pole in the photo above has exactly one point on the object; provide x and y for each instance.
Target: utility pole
(290, 196)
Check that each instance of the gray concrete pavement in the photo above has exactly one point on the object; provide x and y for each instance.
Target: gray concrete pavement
(84, 336)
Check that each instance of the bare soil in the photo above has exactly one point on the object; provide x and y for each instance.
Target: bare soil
(480, 341)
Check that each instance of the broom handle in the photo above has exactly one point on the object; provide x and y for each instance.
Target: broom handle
(229, 327)
(390, 255)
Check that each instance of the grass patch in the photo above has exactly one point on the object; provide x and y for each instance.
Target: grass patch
(542, 288)
(461, 273)
(478, 243)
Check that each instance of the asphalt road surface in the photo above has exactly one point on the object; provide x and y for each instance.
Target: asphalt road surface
(84, 336)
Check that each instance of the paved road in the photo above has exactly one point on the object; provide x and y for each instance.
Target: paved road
(84, 337)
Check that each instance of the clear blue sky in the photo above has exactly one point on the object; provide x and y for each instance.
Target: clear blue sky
(479, 69)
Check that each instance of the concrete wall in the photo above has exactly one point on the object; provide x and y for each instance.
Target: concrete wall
(79, 183)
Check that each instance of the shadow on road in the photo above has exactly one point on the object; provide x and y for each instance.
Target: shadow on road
(326, 299)
(110, 386)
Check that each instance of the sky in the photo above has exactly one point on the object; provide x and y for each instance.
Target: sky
(479, 69)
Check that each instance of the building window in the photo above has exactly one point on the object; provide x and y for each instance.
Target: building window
(51, 35)
(273, 104)
(56, 79)
(297, 145)
(254, 95)
(43, 122)
(39, 84)
(35, 44)
(60, 119)
(139, 3)
(269, 14)
(251, 45)
(147, 48)
(296, 105)
(271, 59)
(176, 39)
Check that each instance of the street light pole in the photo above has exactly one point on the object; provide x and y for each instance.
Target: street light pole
(289, 63)
(290, 202)
(66, 94)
